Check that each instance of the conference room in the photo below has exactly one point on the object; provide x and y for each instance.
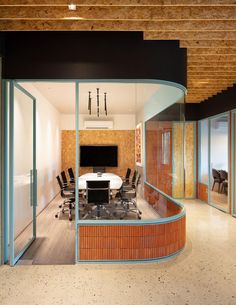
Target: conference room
(99, 132)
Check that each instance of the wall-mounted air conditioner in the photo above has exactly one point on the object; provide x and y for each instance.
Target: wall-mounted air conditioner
(98, 124)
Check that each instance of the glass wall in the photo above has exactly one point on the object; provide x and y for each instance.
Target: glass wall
(165, 151)
(234, 162)
(219, 158)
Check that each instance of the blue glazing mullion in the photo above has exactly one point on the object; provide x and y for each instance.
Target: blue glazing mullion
(11, 173)
(5, 172)
(34, 170)
(77, 171)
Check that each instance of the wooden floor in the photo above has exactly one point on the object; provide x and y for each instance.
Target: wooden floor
(55, 243)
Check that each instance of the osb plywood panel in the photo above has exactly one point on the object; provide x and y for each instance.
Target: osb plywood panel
(133, 242)
(178, 165)
(189, 160)
(124, 139)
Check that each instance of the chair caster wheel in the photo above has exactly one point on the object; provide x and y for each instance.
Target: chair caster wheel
(139, 217)
(56, 216)
(63, 212)
(140, 213)
(70, 218)
(60, 206)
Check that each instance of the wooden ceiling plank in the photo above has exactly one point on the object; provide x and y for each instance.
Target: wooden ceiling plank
(122, 12)
(120, 25)
(209, 69)
(221, 74)
(208, 44)
(119, 2)
(215, 58)
(190, 35)
(211, 51)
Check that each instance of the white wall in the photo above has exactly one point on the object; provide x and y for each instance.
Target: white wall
(48, 151)
(121, 121)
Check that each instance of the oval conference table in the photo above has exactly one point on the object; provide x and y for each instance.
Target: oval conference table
(115, 181)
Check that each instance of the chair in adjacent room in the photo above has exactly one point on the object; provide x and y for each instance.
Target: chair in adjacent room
(224, 178)
(217, 179)
(68, 197)
(98, 197)
(71, 175)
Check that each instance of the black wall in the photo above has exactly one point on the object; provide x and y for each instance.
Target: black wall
(90, 55)
(219, 103)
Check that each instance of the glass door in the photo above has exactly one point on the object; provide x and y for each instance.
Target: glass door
(219, 162)
(22, 171)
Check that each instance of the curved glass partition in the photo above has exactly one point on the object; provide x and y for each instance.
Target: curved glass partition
(135, 216)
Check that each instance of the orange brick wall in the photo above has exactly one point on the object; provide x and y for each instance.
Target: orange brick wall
(203, 192)
(131, 242)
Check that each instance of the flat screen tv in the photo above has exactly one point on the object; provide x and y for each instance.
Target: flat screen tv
(98, 156)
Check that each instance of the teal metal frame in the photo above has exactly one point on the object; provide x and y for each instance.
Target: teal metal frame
(233, 151)
(5, 173)
(199, 150)
(13, 258)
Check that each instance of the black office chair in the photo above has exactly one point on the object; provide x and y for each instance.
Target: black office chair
(98, 194)
(127, 175)
(131, 184)
(71, 175)
(128, 199)
(65, 183)
(69, 199)
(224, 178)
(217, 179)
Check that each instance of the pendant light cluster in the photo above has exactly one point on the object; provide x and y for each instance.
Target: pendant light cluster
(98, 102)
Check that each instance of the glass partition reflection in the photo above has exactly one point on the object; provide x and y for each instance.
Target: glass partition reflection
(165, 151)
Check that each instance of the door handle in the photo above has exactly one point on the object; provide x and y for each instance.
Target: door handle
(33, 187)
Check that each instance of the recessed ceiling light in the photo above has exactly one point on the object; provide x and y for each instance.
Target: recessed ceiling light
(72, 7)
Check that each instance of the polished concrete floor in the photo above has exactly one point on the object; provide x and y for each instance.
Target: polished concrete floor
(205, 273)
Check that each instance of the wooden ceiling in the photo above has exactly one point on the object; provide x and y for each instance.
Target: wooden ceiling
(207, 28)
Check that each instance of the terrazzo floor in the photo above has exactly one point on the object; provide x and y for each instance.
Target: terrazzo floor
(205, 273)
